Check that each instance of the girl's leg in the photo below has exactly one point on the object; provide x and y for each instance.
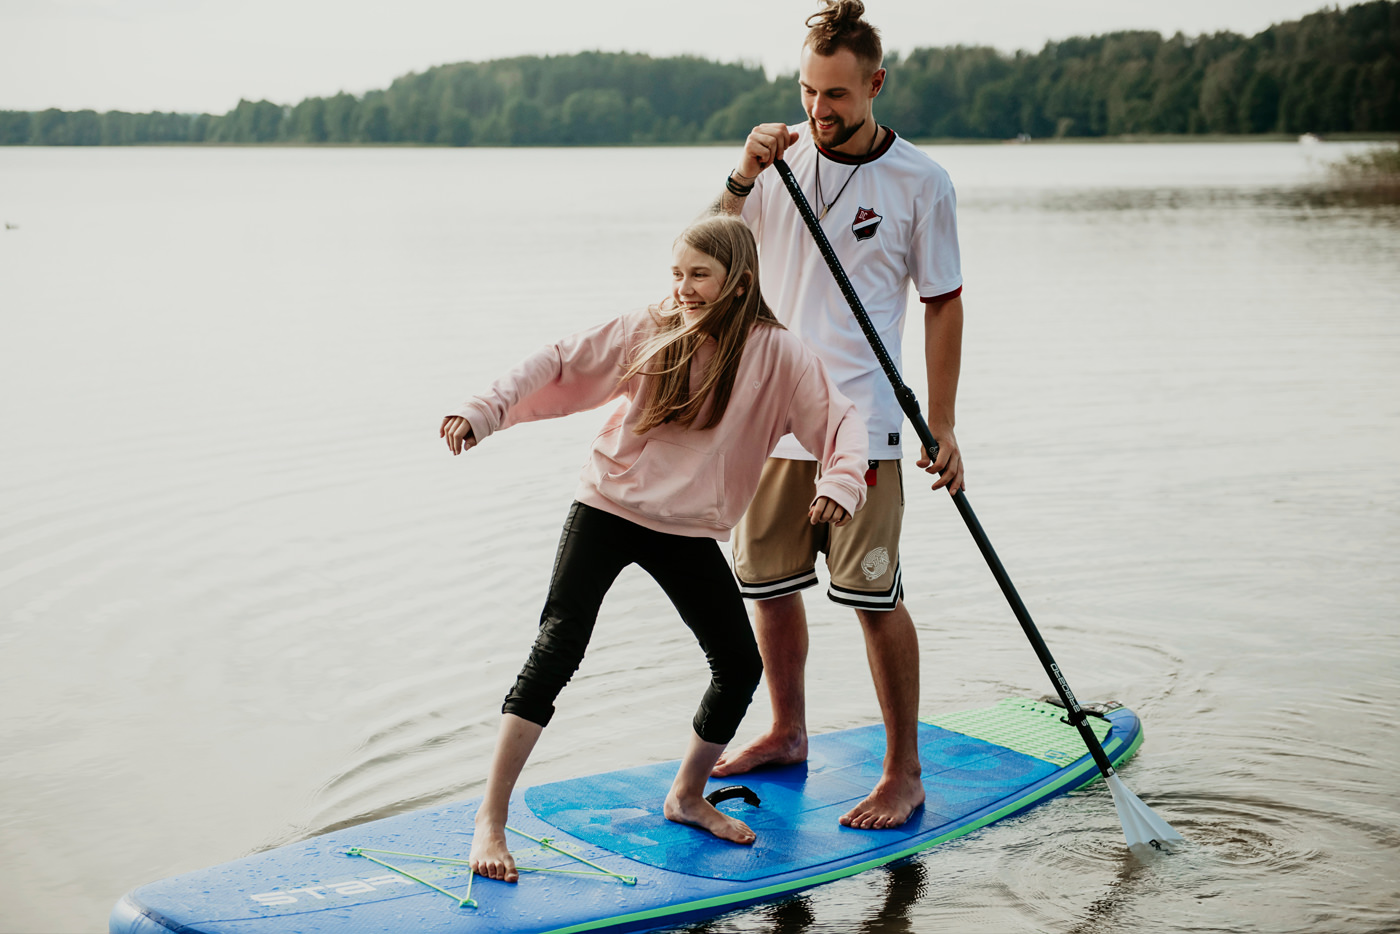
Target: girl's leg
(593, 549)
(686, 804)
(490, 854)
(696, 577)
(590, 557)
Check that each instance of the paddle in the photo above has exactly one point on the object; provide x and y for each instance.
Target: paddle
(1141, 826)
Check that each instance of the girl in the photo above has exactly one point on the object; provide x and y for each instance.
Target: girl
(712, 381)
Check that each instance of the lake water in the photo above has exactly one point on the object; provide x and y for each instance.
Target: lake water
(246, 596)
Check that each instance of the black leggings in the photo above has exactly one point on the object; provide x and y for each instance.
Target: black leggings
(594, 548)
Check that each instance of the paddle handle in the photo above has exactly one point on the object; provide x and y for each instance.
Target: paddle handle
(909, 402)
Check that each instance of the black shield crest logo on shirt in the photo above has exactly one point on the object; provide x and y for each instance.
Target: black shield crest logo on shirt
(866, 223)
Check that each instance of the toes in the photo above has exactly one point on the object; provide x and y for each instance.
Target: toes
(743, 833)
(495, 869)
(869, 820)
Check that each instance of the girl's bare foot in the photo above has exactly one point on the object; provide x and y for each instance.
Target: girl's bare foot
(490, 856)
(697, 812)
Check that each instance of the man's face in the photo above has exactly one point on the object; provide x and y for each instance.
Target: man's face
(837, 95)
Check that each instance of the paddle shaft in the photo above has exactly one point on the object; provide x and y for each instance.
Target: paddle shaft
(909, 402)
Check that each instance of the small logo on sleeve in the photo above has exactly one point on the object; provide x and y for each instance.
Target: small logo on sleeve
(894, 438)
(866, 223)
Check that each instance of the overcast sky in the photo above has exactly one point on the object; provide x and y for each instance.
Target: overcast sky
(203, 55)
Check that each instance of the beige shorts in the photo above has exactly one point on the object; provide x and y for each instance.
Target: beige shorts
(776, 545)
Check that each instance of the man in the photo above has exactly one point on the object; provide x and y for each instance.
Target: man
(889, 212)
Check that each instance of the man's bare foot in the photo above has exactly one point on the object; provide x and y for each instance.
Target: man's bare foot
(697, 812)
(771, 748)
(490, 857)
(891, 804)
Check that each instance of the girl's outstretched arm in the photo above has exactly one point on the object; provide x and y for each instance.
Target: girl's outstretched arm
(458, 432)
(577, 373)
(828, 425)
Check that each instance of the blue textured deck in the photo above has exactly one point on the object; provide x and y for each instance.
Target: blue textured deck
(613, 819)
(797, 823)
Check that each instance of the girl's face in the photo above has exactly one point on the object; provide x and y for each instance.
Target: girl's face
(696, 278)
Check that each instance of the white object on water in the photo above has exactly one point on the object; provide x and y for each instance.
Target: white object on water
(1141, 826)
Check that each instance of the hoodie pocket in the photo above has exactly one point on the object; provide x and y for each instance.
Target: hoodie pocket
(670, 481)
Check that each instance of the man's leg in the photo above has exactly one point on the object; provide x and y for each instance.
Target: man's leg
(892, 648)
(866, 576)
(775, 553)
(781, 627)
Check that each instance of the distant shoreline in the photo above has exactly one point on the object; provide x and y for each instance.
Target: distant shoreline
(1124, 139)
(1329, 74)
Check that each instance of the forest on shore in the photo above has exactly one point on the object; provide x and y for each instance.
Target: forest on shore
(1334, 71)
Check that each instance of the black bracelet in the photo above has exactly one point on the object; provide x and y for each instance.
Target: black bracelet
(736, 189)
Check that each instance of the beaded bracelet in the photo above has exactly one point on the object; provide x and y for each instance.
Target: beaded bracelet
(736, 189)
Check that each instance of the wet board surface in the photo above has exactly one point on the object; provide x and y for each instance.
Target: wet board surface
(979, 766)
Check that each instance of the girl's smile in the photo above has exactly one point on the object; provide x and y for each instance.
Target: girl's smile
(696, 278)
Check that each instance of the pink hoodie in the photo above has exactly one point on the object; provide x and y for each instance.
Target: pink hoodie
(684, 481)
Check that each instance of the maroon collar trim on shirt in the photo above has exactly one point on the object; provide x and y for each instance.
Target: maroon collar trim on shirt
(847, 159)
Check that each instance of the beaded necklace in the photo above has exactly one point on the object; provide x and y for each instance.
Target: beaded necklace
(823, 205)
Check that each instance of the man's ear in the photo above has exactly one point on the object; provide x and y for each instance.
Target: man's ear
(877, 81)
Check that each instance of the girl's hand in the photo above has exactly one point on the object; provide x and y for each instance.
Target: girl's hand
(458, 432)
(824, 510)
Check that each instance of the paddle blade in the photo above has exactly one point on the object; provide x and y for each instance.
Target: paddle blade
(1141, 825)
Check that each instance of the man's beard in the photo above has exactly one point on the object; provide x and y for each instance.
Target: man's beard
(841, 133)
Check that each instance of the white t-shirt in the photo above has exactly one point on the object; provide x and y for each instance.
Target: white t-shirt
(893, 222)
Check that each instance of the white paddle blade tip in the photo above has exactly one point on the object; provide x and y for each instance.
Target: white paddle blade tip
(1141, 826)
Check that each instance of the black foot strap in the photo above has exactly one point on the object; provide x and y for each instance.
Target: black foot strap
(733, 791)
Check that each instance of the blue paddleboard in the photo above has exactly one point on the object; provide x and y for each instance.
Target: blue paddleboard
(601, 857)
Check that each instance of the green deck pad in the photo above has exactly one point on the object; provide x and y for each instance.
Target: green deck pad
(1034, 728)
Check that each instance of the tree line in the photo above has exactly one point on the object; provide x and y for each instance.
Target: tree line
(1330, 72)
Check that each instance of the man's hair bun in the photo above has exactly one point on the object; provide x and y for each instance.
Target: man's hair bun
(840, 24)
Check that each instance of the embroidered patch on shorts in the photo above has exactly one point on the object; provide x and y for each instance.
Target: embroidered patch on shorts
(875, 564)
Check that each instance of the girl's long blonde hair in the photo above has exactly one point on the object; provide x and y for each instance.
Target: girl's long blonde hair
(665, 358)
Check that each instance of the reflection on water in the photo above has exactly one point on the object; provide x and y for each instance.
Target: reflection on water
(890, 910)
(247, 597)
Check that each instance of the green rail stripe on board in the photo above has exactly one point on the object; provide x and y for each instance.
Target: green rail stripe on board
(1085, 773)
(1043, 735)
